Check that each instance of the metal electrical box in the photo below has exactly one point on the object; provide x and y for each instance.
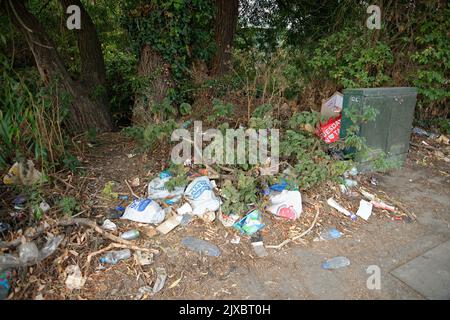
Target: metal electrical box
(391, 130)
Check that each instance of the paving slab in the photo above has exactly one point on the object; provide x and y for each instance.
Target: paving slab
(428, 274)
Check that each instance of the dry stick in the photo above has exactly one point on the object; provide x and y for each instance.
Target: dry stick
(285, 242)
(65, 182)
(131, 190)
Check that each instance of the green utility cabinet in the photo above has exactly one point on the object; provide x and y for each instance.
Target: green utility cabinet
(391, 130)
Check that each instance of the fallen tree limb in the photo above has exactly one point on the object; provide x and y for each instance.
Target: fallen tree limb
(77, 221)
(285, 242)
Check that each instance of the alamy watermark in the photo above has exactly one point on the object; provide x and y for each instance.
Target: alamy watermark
(233, 146)
(374, 280)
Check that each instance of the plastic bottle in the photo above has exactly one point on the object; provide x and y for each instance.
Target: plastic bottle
(130, 235)
(330, 234)
(113, 257)
(336, 263)
(200, 245)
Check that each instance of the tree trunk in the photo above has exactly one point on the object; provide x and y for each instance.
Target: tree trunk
(225, 29)
(156, 71)
(85, 111)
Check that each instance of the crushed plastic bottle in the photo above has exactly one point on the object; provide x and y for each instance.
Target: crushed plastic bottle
(330, 234)
(199, 245)
(130, 235)
(28, 253)
(50, 247)
(113, 257)
(8, 261)
(336, 263)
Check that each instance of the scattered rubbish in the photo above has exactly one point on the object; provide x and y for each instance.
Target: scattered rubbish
(75, 279)
(287, 204)
(119, 209)
(250, 223)
(353, 172)
(157, 189)
(201, 196)
(347, 192)
(50, 247)
(330, 234)
(279, 187)
(161, 276)
(114, 214)
(350, 183)
(19, 202)
(329, 131)
(144, 211)
(332, 107)
(130, 155)
(419, 132)
(130, 235)
(184, 209)
(367, 195)
(332, 203)
(136, 182)
(364, 210)
(373, 181)
(228, 220)
(22, 174)
(269, 168)
(150, 232)
(28, 253)
(5, 286)
(208, 216)
(201, 246)
(443, 139)
(383, 206)
(108, 190)
(235, 240)
(8, 261)
(185, 219)
(336, 263)
(109, 225)
(169, 224)
(259, 249)
(113, 257)
(143, 258)
(176, 282)
(143, 291)
(123, 197)
(44, 206)
(4, 227)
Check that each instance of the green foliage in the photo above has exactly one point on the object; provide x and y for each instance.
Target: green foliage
(180, 30)
(68, 205)
(31, 119)
(221, 110)
(239, 195)
(151, 135)
(433, 59)
(179, 177)
(351, 59)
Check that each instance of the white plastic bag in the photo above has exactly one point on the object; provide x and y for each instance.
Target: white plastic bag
(201, 196)
(144, 211)
(287, 204)
(157, 189)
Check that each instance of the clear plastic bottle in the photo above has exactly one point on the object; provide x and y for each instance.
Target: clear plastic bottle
(336, 263)
(113, 257)
(130, 235)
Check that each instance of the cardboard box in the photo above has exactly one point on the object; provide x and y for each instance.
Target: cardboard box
(332, 107)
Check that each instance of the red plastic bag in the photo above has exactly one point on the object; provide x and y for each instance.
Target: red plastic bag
(329, 131)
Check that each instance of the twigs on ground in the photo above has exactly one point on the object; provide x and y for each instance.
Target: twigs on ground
(285, 242)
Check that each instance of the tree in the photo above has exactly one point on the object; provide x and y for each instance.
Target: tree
(225, 29)
(89, 106)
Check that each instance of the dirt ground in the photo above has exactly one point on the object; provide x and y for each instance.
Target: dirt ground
(293, 272)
